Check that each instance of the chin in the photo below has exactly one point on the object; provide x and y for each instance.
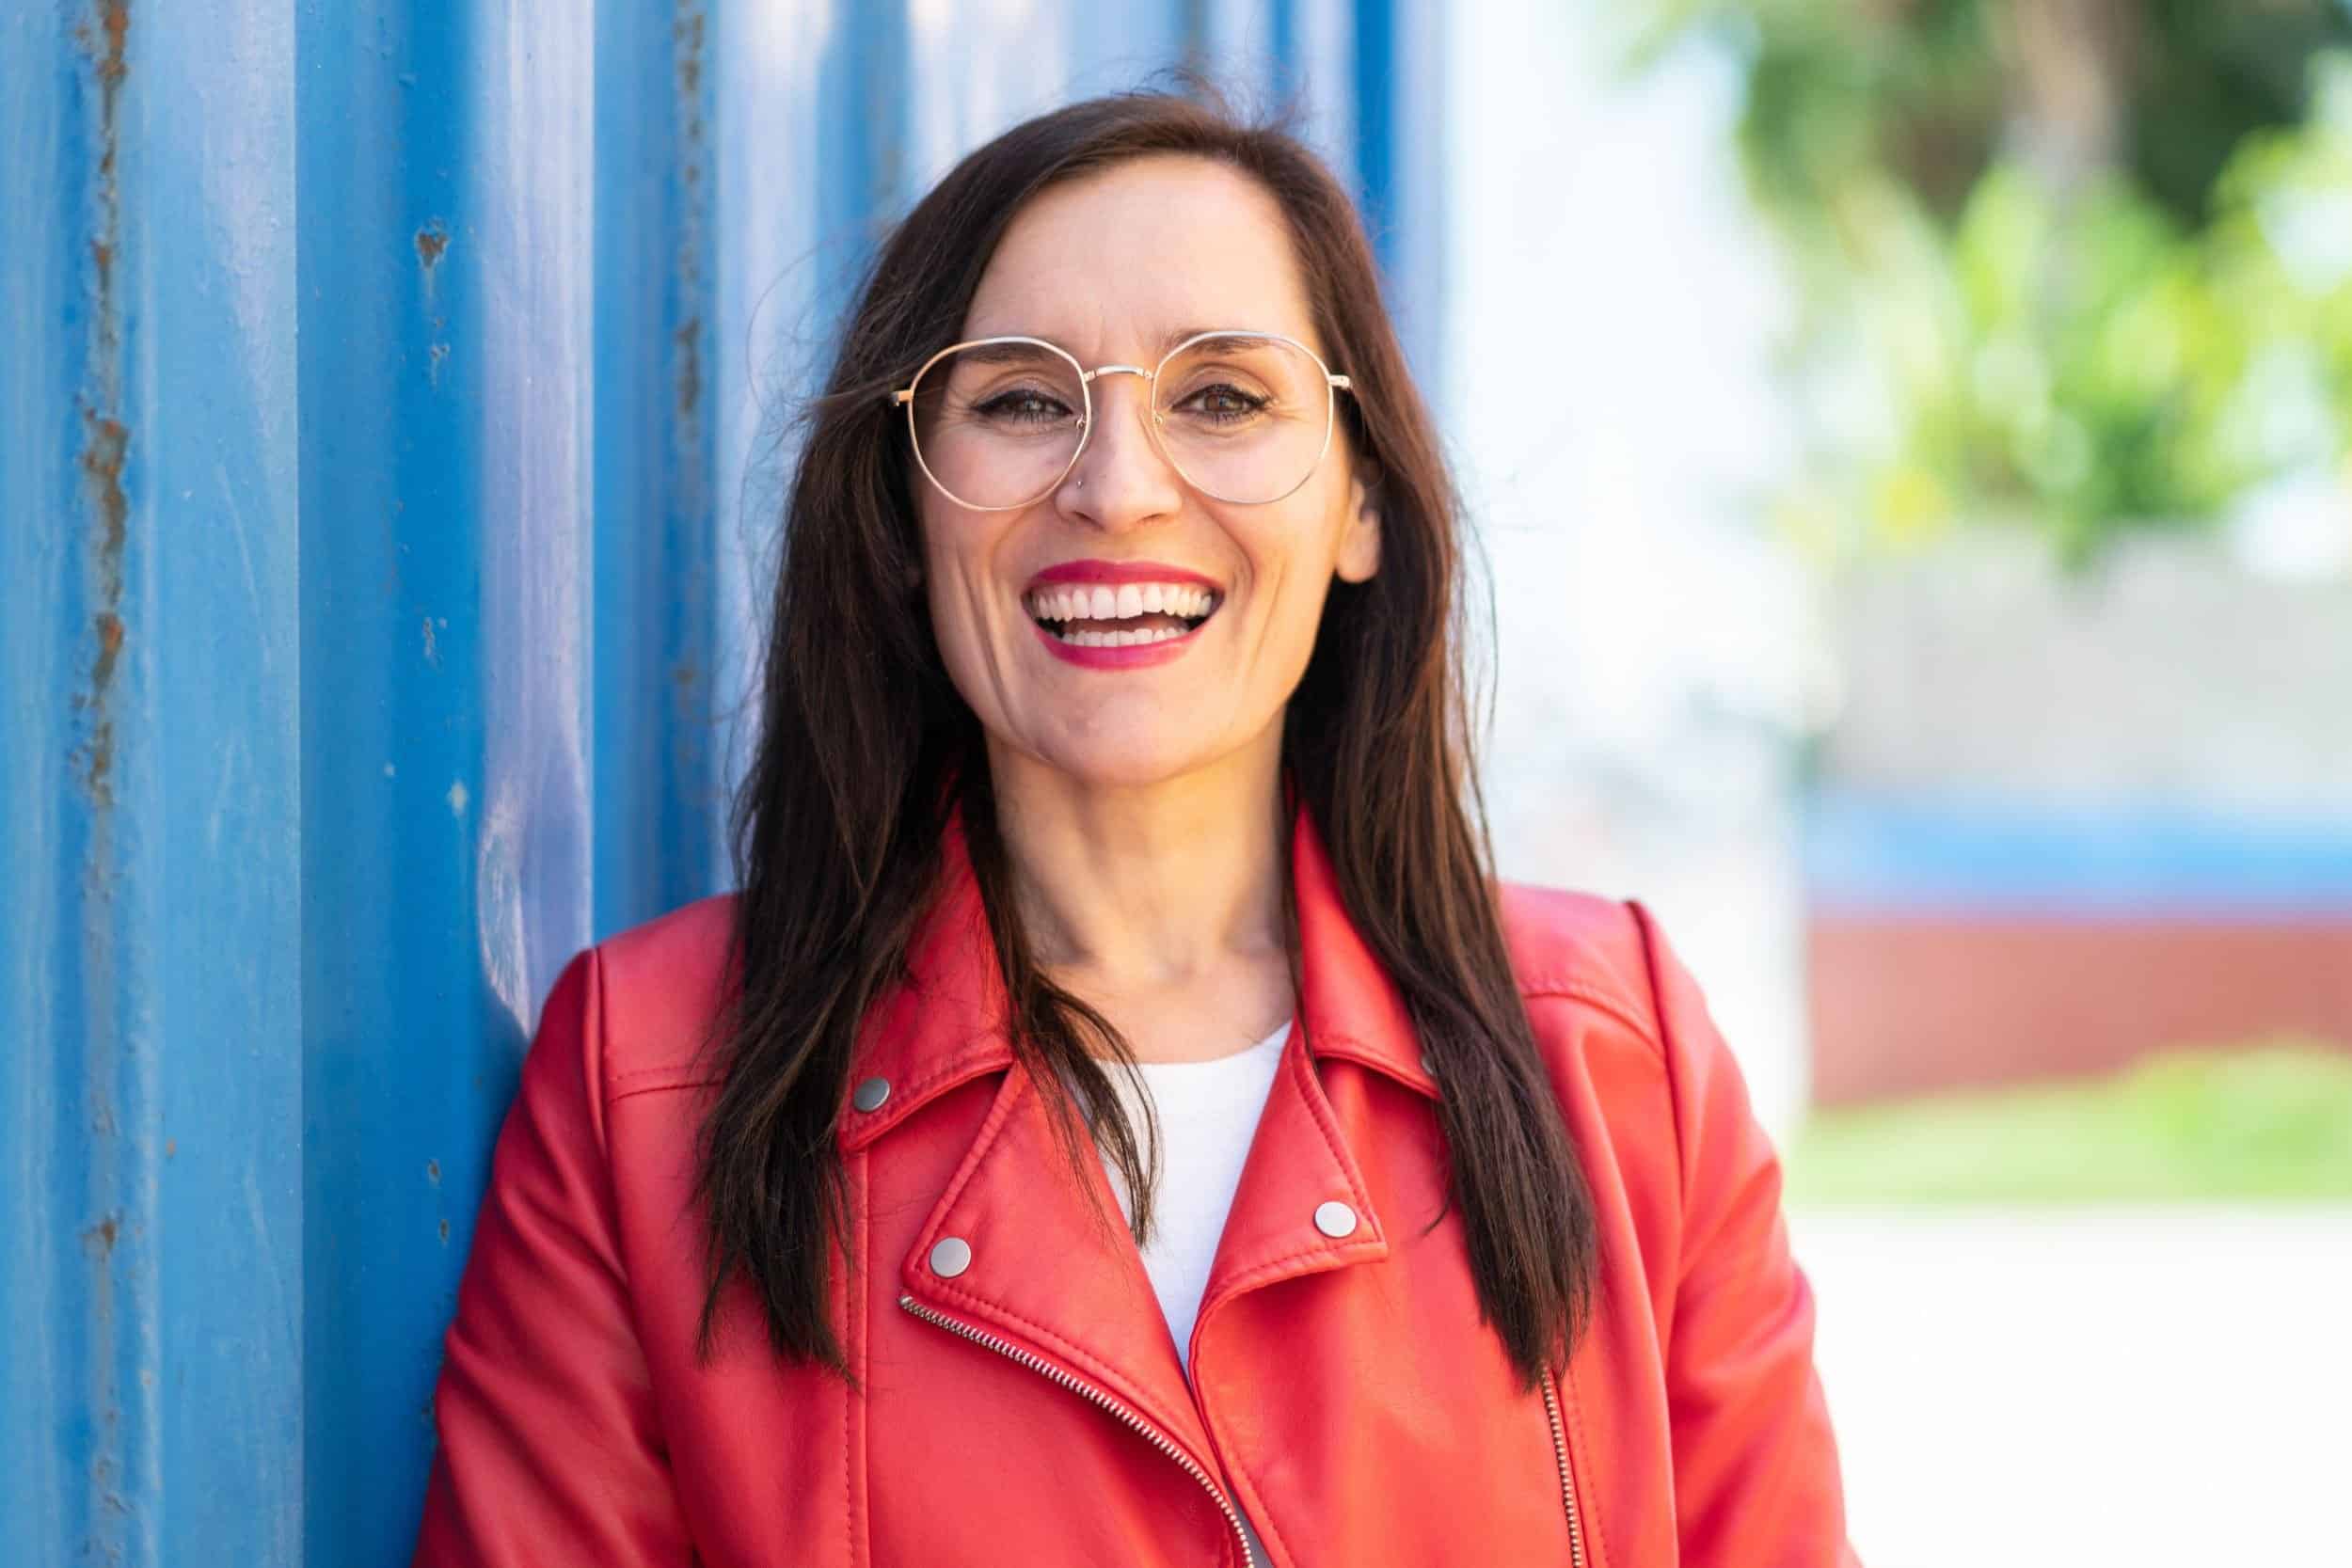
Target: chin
(1131, 768)
(1119, 758)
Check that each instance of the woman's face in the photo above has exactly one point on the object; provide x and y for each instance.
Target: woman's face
(1116, 268)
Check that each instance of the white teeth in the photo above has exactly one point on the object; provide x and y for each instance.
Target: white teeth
(1090, 639)
(1123, 603)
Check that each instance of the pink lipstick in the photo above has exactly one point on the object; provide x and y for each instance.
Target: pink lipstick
(1120, 614)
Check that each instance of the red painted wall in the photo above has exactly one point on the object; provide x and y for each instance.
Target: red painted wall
(1905, 1003)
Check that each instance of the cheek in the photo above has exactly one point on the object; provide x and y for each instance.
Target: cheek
(1298, 617)
(973, 631)
(1291, 558)
(958, 628)
(951, 562)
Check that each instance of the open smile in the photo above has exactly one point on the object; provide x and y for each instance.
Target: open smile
(1105, 614)
(1129, 615)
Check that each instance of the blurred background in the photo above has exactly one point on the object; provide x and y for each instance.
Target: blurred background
(1911, 439)
(1910, 443)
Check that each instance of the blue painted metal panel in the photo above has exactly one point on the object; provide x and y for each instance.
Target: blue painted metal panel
(150, 1264)
(390, 445)
(658, 796)
(1895, 855)
(446, 260)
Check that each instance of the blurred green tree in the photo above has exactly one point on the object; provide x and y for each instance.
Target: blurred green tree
(2070, 258)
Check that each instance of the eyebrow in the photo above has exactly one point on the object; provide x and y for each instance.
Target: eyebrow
(1167, 340)
(1238, 336)
(1005, 353)
(1180, 334)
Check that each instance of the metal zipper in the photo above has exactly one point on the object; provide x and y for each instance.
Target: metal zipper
(1142, 1428)
(1567, 1486)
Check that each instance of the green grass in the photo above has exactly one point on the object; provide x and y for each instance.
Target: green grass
(2268, 1122)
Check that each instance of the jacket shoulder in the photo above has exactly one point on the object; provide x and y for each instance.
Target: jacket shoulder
(1581, 947)
(664, 980)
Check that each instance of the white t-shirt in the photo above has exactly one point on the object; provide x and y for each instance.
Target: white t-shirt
(1208, 1115)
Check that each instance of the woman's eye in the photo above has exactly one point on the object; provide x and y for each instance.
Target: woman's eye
(1223, 401)
(1023, 405)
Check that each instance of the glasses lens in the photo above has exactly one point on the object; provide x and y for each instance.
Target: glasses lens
(996, 424)
(1245, 417)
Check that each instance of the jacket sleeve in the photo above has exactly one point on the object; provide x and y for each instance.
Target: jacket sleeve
(549, 1450)
(1755, 1465)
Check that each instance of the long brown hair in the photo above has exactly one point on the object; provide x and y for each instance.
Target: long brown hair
(867, 747)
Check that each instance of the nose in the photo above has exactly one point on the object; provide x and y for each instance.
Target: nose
(1121, 478)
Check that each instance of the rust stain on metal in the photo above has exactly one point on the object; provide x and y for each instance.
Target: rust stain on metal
(445, 1232)
(103, 461)
(105, 451)
(690, 367)
(106, 439)
(110, 57)
(110, 644)
(433, 1171)
(432, 239)
(688, 33)
(115, 16)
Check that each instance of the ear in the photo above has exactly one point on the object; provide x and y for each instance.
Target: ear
(1359, 548)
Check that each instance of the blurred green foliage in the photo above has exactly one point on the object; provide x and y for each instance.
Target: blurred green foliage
(2267, 1122)
(2084, 266)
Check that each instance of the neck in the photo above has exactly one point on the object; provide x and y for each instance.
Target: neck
(1148, 887)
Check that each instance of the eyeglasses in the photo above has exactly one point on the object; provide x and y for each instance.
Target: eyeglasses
(1244, 417)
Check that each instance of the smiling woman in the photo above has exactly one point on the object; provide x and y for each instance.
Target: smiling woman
(1112, 855)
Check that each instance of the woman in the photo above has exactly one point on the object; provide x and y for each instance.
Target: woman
(1113, 799)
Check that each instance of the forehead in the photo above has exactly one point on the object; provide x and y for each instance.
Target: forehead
(1117, 265)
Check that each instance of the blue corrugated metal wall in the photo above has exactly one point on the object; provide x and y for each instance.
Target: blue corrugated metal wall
(385, 489)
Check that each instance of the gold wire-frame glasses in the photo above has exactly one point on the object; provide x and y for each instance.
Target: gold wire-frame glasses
(1259, 440)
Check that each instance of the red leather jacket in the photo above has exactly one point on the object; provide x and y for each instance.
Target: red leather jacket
(1029, 1407)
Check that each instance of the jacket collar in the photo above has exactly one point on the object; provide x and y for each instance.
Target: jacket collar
(1033, 1268)
(944, 1023)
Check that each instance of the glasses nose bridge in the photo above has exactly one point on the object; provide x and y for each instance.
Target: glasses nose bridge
(1151, 392)
(1149, 377)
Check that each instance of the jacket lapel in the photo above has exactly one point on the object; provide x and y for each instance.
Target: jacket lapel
(1301, 1161)
(1051, 1267)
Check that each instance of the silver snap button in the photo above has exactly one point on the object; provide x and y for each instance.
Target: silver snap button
(1335, 1219)
(952, 1255)
(870, 1094)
